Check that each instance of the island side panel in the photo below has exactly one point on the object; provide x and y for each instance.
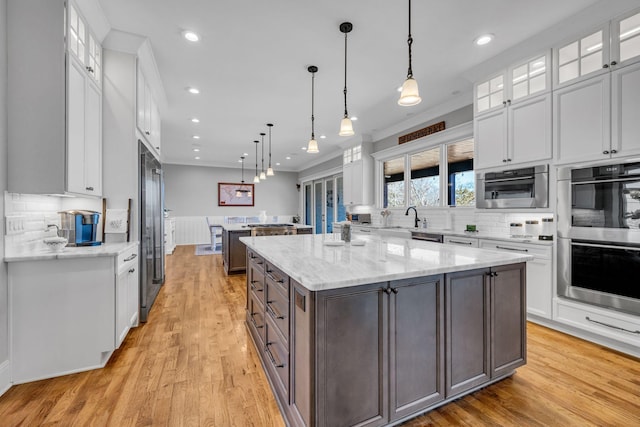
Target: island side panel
(352, 356)
(302, 345)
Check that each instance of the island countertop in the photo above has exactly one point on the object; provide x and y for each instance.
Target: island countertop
(309, 260)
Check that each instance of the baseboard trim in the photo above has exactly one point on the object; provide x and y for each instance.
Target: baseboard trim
(5, 377)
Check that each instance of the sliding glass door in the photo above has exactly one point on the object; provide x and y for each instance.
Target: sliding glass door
(323, 203)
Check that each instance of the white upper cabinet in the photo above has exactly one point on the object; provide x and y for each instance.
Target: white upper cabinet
(513, 115)
(148, 117)
(357, 169)
(625, 33)
(54, 118)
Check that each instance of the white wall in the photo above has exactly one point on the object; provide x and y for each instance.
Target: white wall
(193, 191)
(4, 316)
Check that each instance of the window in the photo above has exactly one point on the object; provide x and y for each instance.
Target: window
(441, 175)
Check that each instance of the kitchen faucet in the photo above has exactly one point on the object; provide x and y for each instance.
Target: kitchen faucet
(416, 220)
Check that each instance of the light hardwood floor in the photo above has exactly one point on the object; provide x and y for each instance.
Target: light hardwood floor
(193, 364)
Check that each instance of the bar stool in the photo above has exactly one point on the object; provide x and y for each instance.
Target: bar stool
(216, 234)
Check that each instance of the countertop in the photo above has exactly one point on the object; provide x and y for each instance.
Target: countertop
(106, 249)
(307, 260)
(240, 227)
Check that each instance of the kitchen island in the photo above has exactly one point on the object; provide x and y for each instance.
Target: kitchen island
(379, 333)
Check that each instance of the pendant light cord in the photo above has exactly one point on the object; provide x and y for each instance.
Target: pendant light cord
(345, 76)
(270, 144)
(256, 142)
(242, 162)
(409, 42)
(262, 136)
(313, 76)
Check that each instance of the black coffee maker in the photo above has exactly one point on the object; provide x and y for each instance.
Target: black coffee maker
(80, 227)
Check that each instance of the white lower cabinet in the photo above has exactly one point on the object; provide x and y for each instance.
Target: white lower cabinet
(470, 242)
(169, 235)
(127, 294)
(539, 273)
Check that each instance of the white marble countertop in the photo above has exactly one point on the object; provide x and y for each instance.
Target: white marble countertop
(106, 249)
(240, 227)
(316, 266)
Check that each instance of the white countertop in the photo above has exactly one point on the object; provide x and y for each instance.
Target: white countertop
(307, 260)
(106, 249)
(240, 227)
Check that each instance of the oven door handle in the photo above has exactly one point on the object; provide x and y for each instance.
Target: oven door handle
(637, 178)
(593, 245)
(520, 178)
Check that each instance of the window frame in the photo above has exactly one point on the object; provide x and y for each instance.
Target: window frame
(442, 139)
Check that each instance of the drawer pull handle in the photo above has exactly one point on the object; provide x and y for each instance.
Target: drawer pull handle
(275, 313)
(458, 242)
(611, 326)
(253, 320)
(512, 249)
(129, 258)
(254, 287)
(133, 270)
(273, 359)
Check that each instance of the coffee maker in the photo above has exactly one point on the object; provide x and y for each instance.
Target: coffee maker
(80, 227)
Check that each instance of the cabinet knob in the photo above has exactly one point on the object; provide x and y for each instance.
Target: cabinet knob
(605, 152)
(504, 160)
(504, 103)
(89, 188)
(147, 132)
(89, 69)
(614, 151)
(605, 66)
(508, 160)
(614, 63)
(509, 101)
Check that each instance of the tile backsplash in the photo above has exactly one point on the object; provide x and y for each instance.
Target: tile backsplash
(28, 215)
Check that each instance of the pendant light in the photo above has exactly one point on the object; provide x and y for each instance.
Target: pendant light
(313, 144)
(243, 192)
(346, 127)
(263, 175)
(409, 95)
(270, 169)
(256, 179)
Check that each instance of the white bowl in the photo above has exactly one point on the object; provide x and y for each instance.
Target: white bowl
(56, 244)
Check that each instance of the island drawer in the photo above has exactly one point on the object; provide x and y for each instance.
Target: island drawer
(278, 277)
(277, 358)
(257, 320)
(255, 260)
(256, 282)
(277, 306)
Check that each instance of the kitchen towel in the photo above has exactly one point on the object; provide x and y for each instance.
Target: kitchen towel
(116, 221)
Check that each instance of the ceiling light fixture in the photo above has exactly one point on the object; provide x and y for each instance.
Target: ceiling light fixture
(256, 179)
(346, 127)
(270, 169)
(313, 144)
(196, 150)
(323, 136)
(194, 90)
(195, 120)
(241, 191)
(409, 94)
(263, 175)
(190, 35)
(483, 39)
(197, 158)
(195, 137)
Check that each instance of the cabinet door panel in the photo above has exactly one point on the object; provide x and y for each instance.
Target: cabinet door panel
(467, 325)
(626, 111)
(508, 319)
(352, 357)
(416, 345)
(93, 141)
(75, 128)
(582, 120)
(530, 130)
(491, 139)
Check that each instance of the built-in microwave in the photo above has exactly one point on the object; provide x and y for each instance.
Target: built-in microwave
(514, 188)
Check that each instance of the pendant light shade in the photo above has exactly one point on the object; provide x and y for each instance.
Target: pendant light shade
(312, 147)
(263, 175)
(410, 94)
(270, 169)
(346, 127)
(256, 179)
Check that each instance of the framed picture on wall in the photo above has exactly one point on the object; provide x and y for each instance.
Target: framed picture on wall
(234, 194)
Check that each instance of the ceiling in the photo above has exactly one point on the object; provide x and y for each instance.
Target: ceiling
(250, 66)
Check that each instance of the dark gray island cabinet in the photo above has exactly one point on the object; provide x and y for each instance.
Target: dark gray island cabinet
(381, 353)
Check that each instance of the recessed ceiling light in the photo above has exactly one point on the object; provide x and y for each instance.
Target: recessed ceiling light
(323, 136)
(196, 149)
(193, 90)
(240, 161)
(195, 120)
(354, 118)
(303, 148)
(245, 154)
(191, 36)
(483, 39)
(196, 137)
(277, 164)
(288, 158)
(197, 157)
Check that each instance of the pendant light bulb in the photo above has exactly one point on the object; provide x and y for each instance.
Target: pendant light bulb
(346, 127)
(312, 147)
(410, 94)
(270, 169)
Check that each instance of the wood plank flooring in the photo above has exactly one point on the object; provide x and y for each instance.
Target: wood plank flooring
(193, 364)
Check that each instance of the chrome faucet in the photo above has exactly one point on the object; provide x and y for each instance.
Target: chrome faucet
(416, 219)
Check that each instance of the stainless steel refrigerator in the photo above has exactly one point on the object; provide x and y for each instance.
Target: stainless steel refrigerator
(151, 230)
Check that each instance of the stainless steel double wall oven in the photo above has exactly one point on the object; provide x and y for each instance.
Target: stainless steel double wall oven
(599, 235)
